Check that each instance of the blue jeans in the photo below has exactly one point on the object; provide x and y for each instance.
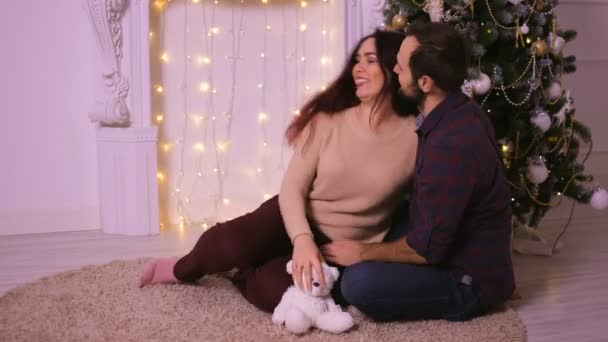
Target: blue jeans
(387, 291)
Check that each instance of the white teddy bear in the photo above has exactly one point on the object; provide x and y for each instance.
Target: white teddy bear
(300, 310)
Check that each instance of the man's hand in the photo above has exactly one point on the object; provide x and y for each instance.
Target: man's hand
(344, 252)
(349, 252)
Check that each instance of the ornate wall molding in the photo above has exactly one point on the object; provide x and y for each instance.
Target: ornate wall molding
(105, 15)
(126, 137)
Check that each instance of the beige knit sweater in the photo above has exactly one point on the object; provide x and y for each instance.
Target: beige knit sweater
(347, 180)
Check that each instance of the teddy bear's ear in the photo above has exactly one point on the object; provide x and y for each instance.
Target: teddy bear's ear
(334, 272)
(289, 270)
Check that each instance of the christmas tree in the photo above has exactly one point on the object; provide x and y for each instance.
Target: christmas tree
(516, 76)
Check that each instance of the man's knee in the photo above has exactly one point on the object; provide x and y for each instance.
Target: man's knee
(356, 284)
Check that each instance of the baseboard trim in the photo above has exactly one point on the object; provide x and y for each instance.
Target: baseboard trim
(48, 220)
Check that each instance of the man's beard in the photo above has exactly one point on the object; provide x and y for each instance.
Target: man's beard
(417, 98)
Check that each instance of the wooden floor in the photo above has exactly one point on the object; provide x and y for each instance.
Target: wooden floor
(565, 297)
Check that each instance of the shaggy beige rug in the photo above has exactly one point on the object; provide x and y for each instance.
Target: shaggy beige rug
(103, 303)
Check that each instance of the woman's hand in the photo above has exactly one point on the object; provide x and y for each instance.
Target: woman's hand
(306, 258)
(344, 252)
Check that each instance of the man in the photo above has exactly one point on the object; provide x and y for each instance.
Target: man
(452, 260)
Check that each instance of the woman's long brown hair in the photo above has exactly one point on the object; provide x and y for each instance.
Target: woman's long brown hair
(341, 94)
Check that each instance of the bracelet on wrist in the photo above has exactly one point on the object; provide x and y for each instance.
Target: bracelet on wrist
(293, 241)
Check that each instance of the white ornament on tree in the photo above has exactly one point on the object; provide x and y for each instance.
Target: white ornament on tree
(482, 85)
(435, 10)
(537, 171)
(524, 29)
(556, 44)
(599, 199)
(560, 117)
(515, 2)
(554, 91)
(541, 120)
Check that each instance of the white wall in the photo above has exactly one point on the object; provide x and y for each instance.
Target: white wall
(48, 172)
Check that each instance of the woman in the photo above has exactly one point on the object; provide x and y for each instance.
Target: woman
(354, 153)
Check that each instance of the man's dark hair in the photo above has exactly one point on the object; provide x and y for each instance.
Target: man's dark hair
(443, 55)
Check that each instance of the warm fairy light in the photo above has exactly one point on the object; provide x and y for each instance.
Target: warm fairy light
(204, 87)
(165, 57)
(222, 146)
(262, 117)
(197, 120)
(200, 60)
(199, 147)
(159, 4)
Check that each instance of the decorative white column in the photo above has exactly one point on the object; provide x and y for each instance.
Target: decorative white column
(362, 17)
(126, 137)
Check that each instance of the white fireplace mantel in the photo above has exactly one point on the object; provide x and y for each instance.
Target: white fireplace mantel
(126, 136)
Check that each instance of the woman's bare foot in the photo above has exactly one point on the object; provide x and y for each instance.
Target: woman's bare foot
(158, 271)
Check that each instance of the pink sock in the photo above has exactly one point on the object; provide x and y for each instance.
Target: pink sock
(158, 271)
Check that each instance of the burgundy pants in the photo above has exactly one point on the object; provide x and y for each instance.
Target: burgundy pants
(255, 243)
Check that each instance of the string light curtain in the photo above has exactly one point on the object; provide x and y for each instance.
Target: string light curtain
(228, 77)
